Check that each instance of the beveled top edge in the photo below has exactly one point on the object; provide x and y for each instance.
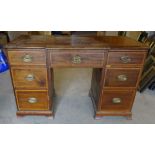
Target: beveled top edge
(74, 42)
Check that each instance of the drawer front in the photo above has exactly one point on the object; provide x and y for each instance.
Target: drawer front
(126, 58)
(27, 57)
(122, 77)
(114, 100)
(29, 78)
(32, 100)
(87, 58)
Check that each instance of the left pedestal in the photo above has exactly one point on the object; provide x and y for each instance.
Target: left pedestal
(30, 78)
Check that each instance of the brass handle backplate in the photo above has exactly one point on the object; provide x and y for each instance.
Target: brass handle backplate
(27, 58)
(76, 59)
(29, 77)
(122, 77)
(125, 59)
(116, 100)
(32, 100)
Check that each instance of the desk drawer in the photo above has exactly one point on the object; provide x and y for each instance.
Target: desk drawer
(35, 78)
(32, 100)
(122, 77)
(86, 58)
(126, 58)
(114, 100)
(27, 57)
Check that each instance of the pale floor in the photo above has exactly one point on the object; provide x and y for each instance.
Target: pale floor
(72, 102)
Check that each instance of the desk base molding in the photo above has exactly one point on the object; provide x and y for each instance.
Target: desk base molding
(41, 113)
(101, 114)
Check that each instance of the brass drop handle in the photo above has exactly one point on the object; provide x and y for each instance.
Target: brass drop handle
(76, 59)
(27, 58)
(125, 59)
(30, 77)
(32, 100)
(122, 77)
(116, 100)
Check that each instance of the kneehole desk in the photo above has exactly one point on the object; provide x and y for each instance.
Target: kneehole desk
(117, 64)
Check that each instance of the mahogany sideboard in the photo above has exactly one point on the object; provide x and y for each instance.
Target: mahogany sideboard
(117, 64)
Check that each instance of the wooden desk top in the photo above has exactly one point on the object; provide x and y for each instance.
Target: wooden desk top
(75, 42)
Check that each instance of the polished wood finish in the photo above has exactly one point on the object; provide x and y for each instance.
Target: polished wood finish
(117, 64)
(125, 104)
(113, 77)
(39, 113)
(75, 42)
(32, 78)
(87, 58)
(24, 100)
(38, 57)
(136, 59)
